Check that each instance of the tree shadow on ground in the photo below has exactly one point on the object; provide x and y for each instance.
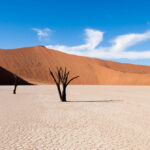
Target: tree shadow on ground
(96, 101)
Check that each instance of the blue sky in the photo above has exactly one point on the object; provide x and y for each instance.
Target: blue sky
(114, 30)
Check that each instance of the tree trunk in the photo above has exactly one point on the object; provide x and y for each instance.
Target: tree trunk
(59, 91)
(63, 95)
(15, 89)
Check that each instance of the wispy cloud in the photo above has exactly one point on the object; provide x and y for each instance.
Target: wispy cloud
(117, 50)
(43, 34)
(124, 41)
(92, 40)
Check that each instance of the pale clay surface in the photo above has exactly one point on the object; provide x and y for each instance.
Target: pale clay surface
(111, 118)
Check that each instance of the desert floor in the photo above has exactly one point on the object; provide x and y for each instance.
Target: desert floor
(95, 118)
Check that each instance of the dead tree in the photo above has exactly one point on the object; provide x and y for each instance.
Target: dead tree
(15, 84)
(61, 78)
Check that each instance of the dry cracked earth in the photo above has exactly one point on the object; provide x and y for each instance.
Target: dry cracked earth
(95, 118)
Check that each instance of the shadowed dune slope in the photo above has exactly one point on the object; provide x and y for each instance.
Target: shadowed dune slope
(32, 65)
(7, 78)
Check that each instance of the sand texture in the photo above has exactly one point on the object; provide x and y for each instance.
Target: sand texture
(96, 118)
(32, 64)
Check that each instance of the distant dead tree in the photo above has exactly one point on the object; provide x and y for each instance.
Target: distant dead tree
(15, 84)
(61, 78)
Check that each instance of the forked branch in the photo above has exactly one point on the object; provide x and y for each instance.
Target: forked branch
(72, 79)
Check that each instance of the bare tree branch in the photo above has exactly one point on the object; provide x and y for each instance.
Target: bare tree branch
(72, 79)
(67, 75)
(51, 73)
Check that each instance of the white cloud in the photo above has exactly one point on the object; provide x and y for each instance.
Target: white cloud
(117, 50)
(42, 33)
(124, 41)
(94, 38)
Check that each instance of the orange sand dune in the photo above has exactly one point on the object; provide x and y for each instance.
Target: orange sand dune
(32, 65)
